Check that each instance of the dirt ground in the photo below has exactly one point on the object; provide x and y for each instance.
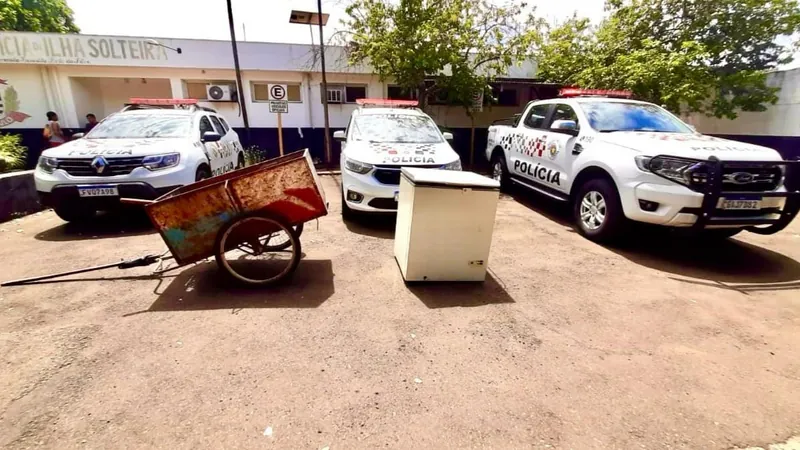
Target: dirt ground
(659, 343)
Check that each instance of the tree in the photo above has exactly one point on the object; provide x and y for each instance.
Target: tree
(453, 47)
(709, 56)
(52, 16)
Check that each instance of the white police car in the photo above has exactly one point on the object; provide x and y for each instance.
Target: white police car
(143, 151)
(382, 137)
(616, 159)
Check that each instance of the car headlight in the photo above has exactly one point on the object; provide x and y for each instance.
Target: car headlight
(687, 172)
(455, 165)
(643, 162)
(357, 166)
(48, 164)
(157, 162)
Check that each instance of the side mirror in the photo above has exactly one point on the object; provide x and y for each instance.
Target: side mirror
(339, 136)
(448, 136)
(210, 136)
(569, 127)
(78, 135)
(692, 127)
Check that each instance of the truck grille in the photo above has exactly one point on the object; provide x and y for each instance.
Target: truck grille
(82, 167)
(391, 174)
(758, 179)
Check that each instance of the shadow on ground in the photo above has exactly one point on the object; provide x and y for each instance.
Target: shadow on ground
(554, 210)
(726, 261)
(676, 252)
(202, 287)
(375, 225)
(132, 222)
(467, 294)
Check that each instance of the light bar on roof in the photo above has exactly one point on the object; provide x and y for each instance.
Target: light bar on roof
(387, 102)
(578, 92)
(162, 101)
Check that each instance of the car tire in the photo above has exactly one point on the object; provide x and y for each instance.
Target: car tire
(202, 174)
(500, 170)
(598, 211)
(240, 163)
(347, 213)
(75, 213)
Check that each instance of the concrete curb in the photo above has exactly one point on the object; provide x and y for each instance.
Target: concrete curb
(18, 195)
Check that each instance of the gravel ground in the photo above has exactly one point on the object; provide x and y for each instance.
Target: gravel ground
(659, 343)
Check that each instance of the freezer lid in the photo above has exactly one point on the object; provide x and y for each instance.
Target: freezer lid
(454, 178)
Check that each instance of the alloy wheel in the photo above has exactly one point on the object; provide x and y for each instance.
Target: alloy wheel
(497, 171)
(593, 210)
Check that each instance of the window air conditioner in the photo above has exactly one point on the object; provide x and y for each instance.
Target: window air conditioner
(221, 92)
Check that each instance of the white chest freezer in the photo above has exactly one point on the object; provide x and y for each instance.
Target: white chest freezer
(445, 221)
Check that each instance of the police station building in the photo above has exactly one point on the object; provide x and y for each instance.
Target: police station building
(76, 74)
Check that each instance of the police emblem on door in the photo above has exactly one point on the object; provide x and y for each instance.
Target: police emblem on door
(552, 149)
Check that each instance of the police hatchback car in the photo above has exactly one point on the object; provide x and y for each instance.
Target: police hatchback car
(143, 151)
(382, 137)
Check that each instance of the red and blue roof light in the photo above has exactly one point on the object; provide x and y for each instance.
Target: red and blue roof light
(578, 92)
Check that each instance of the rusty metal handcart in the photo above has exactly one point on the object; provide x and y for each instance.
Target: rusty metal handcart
(249, 219)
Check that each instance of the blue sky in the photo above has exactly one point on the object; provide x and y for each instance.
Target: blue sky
(264, 20)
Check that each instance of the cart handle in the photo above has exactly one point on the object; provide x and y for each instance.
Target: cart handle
(135, 201)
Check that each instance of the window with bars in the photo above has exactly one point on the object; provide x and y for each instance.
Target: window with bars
(505, 95)
(335, 95)
(346, 93)
(399, 93)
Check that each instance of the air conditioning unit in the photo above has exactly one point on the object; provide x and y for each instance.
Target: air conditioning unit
(221, 93)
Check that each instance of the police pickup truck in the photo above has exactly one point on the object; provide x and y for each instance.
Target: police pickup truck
(618, 160)
(144, 151)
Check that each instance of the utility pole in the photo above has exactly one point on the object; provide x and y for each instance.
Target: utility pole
(239, 88)
(324, 83)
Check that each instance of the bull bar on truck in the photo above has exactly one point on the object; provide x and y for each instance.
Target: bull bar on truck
(713, 190)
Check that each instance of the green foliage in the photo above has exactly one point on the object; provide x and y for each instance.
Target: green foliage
(12, 154)
(708, 56)
(254, 155)
(456, 45)
(52, 16)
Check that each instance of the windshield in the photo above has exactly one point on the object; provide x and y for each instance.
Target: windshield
(142, 126)
(618, 116)
(395, 128)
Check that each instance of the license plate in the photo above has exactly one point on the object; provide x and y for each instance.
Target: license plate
(739, 203)
(397, 196)
(98, 191)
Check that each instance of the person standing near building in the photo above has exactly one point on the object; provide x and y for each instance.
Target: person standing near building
(52, 131)
(91, 122)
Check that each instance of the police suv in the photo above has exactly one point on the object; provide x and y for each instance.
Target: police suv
(382, 137)
(144, 151)
(617, 159)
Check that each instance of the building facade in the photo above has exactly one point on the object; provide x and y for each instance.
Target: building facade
(77, 74)
(778, 127)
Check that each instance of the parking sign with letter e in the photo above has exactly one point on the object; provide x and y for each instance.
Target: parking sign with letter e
(277, 92)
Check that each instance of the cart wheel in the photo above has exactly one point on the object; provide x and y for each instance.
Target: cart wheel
(244, 253)
(281, 241)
